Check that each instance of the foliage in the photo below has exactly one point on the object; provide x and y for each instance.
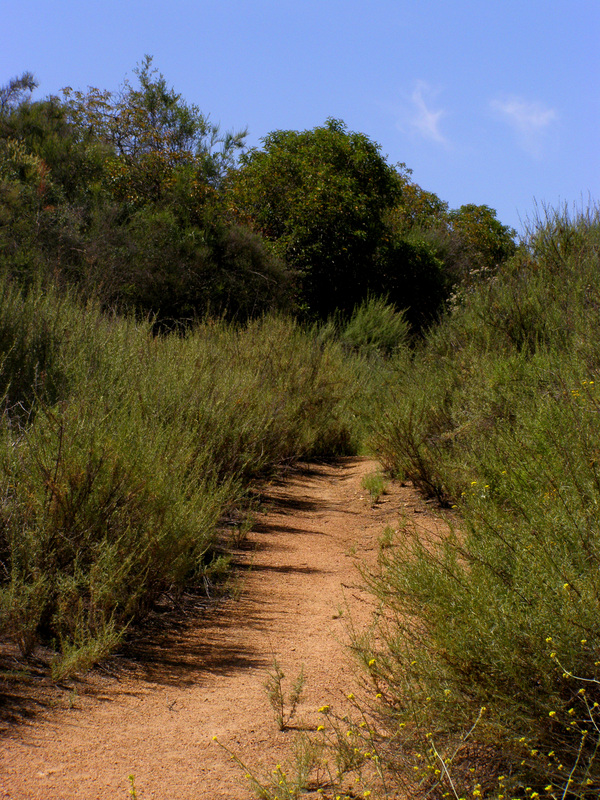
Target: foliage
(315, 221)
(415, 279)
(32, 331)
(119, 194)
(342, 759)
(375, 484)
(152, 263)
(319, 195)
(375, 327)
(122, 452)
(73, 158)
(470, 241)
(481, 242)
(417, 209)
(13, 93)
(155, 138)
(492, 630)
(284, 707)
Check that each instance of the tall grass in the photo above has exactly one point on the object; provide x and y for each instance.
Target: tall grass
(122, 452)
(501, 419)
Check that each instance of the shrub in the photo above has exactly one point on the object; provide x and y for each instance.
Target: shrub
(114, 490)
(376, 327)
(501, 420)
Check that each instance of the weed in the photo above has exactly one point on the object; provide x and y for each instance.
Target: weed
(239, 533)
(281, 783)
(376, 485)
(284, 706)
(132, 790)
(73, 698)
(342, 759)
(387, 538)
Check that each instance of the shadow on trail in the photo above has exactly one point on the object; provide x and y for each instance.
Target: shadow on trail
(288, 504)
(184, 646)
(224, 638)
(274, 527)
(193, 637)
(21, 695)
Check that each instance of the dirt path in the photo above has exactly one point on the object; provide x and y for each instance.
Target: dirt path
(204, 677)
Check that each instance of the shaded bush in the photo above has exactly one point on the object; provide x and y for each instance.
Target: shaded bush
(32, 332)
(376, 327)
(113, 491)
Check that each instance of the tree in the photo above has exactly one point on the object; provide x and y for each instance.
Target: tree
(320, 196)
(481, 241)
(417, 210)
(14, 92)
(470, 241)
(120, 194)
(156, 139)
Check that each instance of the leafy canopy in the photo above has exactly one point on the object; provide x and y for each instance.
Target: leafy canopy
(156, 139)
(319, 195)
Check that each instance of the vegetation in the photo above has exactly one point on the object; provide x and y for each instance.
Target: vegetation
(120, 196)
(320, 196)
(483, 660)
(489, 637)
(136, 198)
(122, 454)
(179, 318)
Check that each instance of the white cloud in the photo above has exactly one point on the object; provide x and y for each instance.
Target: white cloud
(529, 120)
(423, 117)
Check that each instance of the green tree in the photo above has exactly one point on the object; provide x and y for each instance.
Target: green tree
(50, 173)
(320, 196)
(481, 241)
(121, 195)
(14, 92)
(159, 144)
(73, 156)
(417, 210)
(23, 179)
(470, 241)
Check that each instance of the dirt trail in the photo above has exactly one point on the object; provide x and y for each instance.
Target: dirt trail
(204, 676)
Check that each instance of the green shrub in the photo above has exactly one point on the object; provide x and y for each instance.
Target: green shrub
(114, 491)
(32, 328)
(501, 419)
(376, 327)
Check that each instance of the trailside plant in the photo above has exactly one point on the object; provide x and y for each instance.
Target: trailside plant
(341, 759)
(375, 484)
(376, 328)
(123, 453)
(281, 782)
(501, 612)
(284, 707)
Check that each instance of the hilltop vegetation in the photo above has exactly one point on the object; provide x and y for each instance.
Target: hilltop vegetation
(180, 317)
(138, 200)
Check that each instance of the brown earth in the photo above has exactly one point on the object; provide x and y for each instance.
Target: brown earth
(199, 672)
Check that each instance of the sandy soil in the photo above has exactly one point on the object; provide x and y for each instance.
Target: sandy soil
(200, 672)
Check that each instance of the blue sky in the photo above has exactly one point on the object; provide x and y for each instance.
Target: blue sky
(492, 102)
